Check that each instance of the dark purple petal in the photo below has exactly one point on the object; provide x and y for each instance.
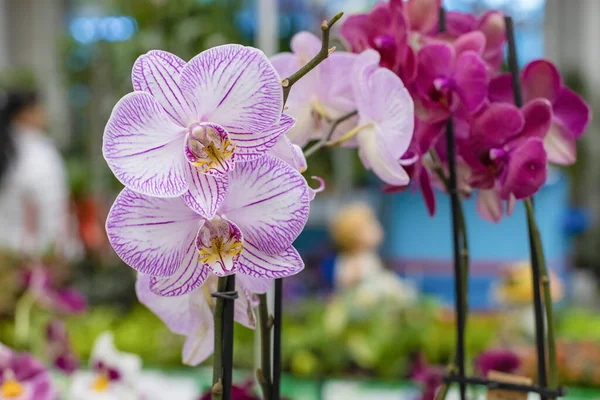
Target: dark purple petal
(527, 170)
(435, 61)
(427, 191)
(500, 89)
(496, 126)
(471, 80)
(538, 117)
(497, 360)
(66, 363)
(571, 112)
(70, 301)
(540, 78)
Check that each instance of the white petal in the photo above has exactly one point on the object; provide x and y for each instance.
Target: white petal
(258, 264)
(206, 192)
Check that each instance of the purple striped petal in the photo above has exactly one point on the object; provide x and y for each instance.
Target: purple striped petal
(268, 201)
(152, 235)
(209, 148)
(189, 276)
(206, 192)
(157, 73)
(219, 243)
(252, 146)
(235, 87)
(258, 264)
(253, 284)
(142, 146)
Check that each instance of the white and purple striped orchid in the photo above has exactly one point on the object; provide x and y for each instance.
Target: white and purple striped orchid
(223, 106)
(244, 223)
(192, 314)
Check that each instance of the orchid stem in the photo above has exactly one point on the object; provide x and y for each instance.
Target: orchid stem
(264, 372)
(332, 127)
(223, 358)
(217, 389)
(23, 320)
(316, 60)
(545, 284)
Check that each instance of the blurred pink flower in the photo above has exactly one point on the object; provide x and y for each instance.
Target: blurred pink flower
(64, 300)
(497, 360)
(22, 377)
(428, 376)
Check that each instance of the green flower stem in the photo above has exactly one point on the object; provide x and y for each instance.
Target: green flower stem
(316, 60)
(332, 127)
(263, 373)
(217, 388)
(23, 320)
(545, 282)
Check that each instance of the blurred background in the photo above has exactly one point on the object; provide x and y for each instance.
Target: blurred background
(70, 61)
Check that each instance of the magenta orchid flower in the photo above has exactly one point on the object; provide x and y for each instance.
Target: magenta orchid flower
(386, 119)
(191, 314)
(450, 77)
(506, 154)
(386, 30)
(22, 377)
(321, 96)
(222, 107)
(246, 226)
(497, 360)
(429, 377)
(571, 115)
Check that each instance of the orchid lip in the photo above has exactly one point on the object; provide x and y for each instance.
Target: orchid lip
(219, 243)
(208, 147)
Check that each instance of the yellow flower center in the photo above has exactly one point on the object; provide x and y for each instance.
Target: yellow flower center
(11, 389)
(100, 383)
(220, 248)
(218, 244)
(209, 149)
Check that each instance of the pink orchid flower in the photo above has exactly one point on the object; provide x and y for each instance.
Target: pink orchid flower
(321, 96)
(222, 107)
(386, 30)
(191, 314)
(571, 115)
(22, 377)
(386, 119)
(246, 225)
(506, 154)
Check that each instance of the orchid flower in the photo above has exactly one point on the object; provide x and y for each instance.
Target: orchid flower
(22, 377)
(386, 30)
(430, 377)
(67, 300)
(247, 226)
(571, 115)
(222, 107)
(191, 314)
(506, 154)
(497, 360)
(324, 94)
(115, 375)
(386, 119)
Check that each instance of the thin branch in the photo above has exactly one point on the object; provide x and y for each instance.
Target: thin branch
(263, 373)
(325, 51)
(332, 127)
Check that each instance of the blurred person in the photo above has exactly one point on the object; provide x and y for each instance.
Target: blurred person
(34, 198)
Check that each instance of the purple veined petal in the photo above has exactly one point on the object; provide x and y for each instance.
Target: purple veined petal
(206, 192)
(208, 147)
(540, 78)
(560, 146)
(243, 309)
(489, 205)
(375, 155)
(252, 146)
(234, 86)
(496, 125)
(270, 204)
(199, 345)
(142, 146)
(423, 15)
(527, 170)
(571, 112)
(472, 41)
(435, 61)
(253, 284)
(392, 109)
(500, 89)
(256, 263)
(157, 73)
(538, 117)
(188, 277)
(220, 243)
(471, 80)
(152, 235)
(291, 153)
(175, 311)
